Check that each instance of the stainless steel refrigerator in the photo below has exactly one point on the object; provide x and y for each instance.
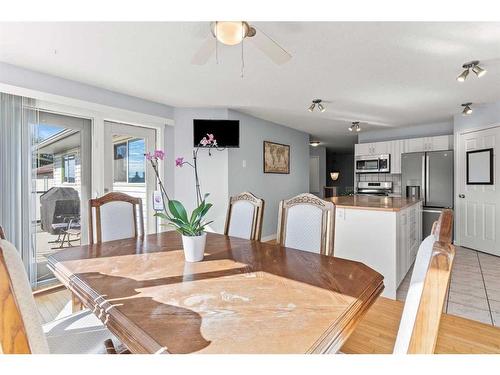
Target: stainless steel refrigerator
(428, 176)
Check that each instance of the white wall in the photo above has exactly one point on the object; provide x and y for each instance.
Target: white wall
(321, 153)
(416, 131)
(213, 170)
(271, 187)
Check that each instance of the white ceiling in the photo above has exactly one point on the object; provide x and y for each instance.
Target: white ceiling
(383, 74)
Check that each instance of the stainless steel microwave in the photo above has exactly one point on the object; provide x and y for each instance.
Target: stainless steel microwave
(373, 163)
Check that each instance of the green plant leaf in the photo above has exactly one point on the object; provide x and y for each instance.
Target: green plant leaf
(177, 210)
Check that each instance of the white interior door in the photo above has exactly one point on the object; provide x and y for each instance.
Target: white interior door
(314, 174)
(478, 206)
(126, 169)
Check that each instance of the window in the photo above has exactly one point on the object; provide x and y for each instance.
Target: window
(129, 161)
(68, 168)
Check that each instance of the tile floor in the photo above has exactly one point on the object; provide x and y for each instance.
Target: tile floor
(474, 291)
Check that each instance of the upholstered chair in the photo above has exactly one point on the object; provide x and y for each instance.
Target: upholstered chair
(244, 217)
(21, 330)
(114, 217)
(306, 222)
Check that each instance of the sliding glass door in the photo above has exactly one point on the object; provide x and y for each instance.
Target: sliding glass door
(60, 181)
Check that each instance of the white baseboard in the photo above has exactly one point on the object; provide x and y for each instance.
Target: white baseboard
(268, 238)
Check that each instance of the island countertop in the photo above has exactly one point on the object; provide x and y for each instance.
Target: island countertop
(366, 202)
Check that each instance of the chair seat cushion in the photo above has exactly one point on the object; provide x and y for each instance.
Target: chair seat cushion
(80, 333)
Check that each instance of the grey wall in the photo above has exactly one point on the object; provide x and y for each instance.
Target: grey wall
(30, 79)
(481, 117)
(343, 163)
(271, 187)
(417, 131)
(321, 153)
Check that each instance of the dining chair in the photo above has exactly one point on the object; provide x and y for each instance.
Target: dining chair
(419, 325)
(21, 331)
(115, 217)
(244, 216)
(306, 222)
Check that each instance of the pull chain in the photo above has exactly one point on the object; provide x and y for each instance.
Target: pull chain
(216, 46)
(242, 57)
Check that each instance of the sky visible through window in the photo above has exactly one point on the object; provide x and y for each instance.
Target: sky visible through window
(136, 161)
(46, 131)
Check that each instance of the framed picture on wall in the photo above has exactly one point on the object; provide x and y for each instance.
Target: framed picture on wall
(276, 158)
(480, 167)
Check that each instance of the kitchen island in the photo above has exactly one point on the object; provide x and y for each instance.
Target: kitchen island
(382, 232)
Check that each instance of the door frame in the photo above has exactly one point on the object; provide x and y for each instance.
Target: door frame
(134, 131)
(456, 139)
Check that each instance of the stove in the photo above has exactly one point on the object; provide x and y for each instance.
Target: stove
(374, 188)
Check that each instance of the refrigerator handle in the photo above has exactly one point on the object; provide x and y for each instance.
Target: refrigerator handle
(424, 190)
(427, 178)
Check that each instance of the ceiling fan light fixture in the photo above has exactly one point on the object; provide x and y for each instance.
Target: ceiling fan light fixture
(321, 107)
(311, 107)
(230, 33)
(350, 128)
(314, 143)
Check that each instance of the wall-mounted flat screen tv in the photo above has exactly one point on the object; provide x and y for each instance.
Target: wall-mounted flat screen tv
(226, 132)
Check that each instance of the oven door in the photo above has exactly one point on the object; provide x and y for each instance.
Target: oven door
(367, 165)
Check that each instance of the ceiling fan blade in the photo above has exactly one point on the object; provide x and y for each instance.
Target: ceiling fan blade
(204, 52)
(269, 47)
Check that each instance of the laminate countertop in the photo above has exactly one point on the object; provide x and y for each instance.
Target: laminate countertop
(365, 202)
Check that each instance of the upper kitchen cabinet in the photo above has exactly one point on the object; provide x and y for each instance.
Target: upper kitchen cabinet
(439, 143)
(396, 148)
(376, 148)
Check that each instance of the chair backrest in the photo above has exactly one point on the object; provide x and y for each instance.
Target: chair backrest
(115, 217)
(2, 234)
(306, 222)
(419, 326)
(244, 216)
(20, 326)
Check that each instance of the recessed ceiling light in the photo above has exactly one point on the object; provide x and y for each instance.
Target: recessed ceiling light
(355, 127)
(467, 109)
(314, 143)
(317, 102)
(474, 65)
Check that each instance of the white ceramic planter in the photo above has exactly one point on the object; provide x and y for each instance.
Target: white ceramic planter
(194, 247)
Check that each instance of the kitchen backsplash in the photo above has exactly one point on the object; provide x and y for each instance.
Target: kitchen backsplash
(378, 177)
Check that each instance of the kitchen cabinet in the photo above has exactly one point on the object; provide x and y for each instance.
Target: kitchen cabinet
(376, 148)
(396, 148)
(439, 143)
(409, 238)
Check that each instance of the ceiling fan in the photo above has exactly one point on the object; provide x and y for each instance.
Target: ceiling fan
(232, 33)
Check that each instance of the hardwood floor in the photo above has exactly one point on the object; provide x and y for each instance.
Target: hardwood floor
(376, 334)
(54, 305)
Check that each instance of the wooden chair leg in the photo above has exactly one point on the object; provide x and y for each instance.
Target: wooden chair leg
(110, 347)
(76, 304)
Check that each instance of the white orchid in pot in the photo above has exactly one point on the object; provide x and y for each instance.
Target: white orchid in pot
(191, 227)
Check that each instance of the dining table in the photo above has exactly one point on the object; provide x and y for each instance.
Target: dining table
(244, 297)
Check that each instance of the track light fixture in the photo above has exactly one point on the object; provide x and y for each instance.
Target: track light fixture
(317, 102)
(355, 127)
(314, 143)
(474, 66)
(467, 109)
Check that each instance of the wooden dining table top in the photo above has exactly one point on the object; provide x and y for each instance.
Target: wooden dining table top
(244, 297)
